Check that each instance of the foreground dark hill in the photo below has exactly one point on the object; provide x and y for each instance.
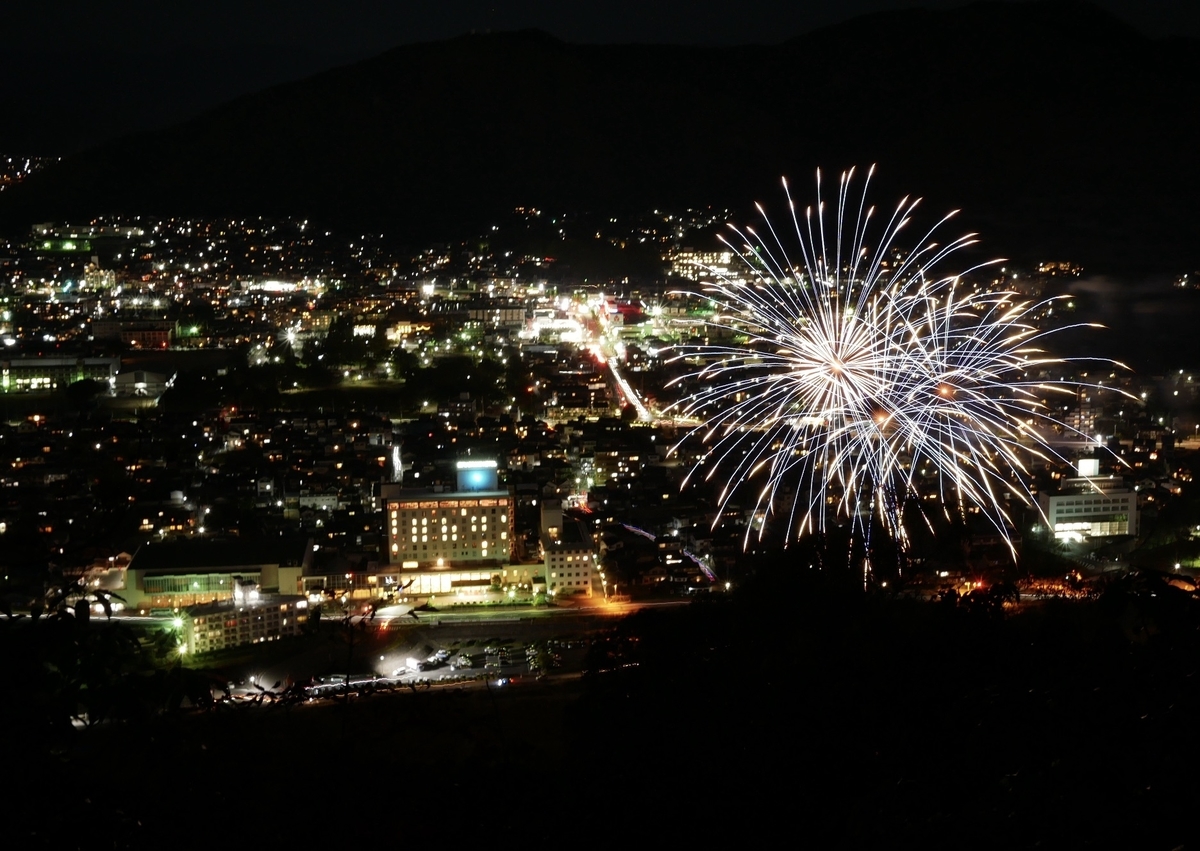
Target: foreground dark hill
(795, 707)
(1058, 129)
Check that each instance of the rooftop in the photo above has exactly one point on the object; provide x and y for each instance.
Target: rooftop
(197, 555)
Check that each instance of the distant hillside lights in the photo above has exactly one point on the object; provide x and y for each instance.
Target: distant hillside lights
(15, 169)
(1060, 267)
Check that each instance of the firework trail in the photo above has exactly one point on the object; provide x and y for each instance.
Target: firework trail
(859, 372)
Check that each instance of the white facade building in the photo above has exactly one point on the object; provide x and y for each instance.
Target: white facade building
(1088, 507)
(568, 554)
(216, 626)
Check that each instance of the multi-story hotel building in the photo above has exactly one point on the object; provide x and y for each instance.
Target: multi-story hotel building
(453, 540)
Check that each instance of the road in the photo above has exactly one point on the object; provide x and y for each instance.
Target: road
(627, 391)
(608, 350)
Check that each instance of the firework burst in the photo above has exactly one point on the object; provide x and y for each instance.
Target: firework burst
(860, 375)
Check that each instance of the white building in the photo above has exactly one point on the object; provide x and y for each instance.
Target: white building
(1088, 507)
(193, 571)
(142, 384)
(568, 554)
(216, 626)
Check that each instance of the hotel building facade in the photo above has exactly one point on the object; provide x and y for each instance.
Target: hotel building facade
(453, 541)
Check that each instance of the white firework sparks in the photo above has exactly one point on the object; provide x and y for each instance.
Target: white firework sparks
(860, 371)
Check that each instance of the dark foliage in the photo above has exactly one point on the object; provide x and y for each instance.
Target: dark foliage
(799, 705)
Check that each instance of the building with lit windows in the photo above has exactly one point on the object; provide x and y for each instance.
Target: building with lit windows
(217, 626)
(138, 333)
(702, 265)
(568, 553)
(193, 571)
(615, 465)
(706, 267)
(452, 541)
(1091, 507)
(41, 374)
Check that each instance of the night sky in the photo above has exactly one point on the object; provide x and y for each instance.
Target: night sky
(79, 72)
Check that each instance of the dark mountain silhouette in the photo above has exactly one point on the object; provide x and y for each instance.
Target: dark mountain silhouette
(1058, 129)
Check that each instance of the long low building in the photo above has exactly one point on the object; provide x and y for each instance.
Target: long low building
(193, 571)
(217, 626)
(393, 583)
(43, 374)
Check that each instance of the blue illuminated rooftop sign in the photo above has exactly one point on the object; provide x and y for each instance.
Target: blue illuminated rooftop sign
(477, 476)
